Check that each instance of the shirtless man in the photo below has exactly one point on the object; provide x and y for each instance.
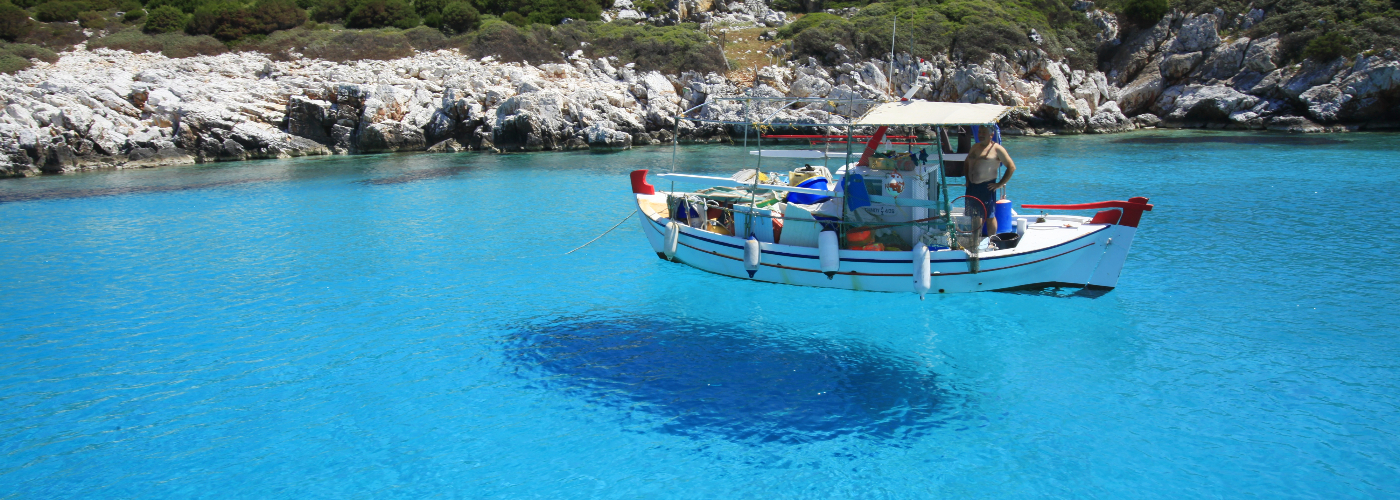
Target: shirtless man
(982, 162)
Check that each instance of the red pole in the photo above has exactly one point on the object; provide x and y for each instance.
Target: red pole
(872, 146)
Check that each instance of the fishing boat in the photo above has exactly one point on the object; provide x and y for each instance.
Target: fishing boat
(882, 220)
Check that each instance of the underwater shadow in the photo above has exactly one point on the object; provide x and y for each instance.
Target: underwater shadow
(743, 384)
(1059, 292)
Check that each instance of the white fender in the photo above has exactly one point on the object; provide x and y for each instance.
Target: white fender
(673, 235)
(921, 274)
(829, 249)
(752, 254)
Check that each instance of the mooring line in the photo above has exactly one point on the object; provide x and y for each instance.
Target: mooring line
(605, 233)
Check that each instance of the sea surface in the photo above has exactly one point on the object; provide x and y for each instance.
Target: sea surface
(408, 326)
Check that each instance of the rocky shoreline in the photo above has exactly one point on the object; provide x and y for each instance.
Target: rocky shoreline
(115, 109)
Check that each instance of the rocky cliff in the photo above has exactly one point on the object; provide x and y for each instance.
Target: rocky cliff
(115, 109)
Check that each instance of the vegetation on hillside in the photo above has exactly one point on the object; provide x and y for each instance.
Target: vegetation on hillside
(969, 30)
(1308, 29)
(547, 30)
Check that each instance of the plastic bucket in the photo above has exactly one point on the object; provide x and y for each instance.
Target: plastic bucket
(1008, 240)
(1002, 211)
(809, 199)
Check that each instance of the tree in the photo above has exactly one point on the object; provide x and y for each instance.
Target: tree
(274, 15)
(425, 7)
(381, 13)
(164, 19)
(460, 17)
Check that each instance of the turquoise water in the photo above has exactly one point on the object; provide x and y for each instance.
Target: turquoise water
(407, 326)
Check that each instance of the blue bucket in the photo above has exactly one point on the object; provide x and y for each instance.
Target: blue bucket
(808, 199)
(1002, 211)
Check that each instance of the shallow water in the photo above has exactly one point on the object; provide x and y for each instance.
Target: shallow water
(407, 325)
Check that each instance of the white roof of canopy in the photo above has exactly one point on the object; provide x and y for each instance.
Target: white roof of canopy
(933, 113)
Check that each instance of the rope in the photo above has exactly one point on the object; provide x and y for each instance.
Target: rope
(605, 233)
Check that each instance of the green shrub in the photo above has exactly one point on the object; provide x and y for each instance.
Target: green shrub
(128, 5)
(172, 45)
(225, 20)
(55, 36)
(425, 7)
(274, 15)
(186, 6)
(515, 18)
(382, 13)
(339, 46)
(25, 4)
(14, 22)
(426, 38)
(11, 64)
(979, 41)
(326, 10)
(552, 12)
(1144, 12)
(670, 49)
(30, 51)
(130, 39)
(229, 21)
(460, 17)
(433, 20)
(1329, 46)
(164, 19)
(805, 22)
(133, 15)
(60, 12)
(801, 5)
(92, 20)
(650, 7)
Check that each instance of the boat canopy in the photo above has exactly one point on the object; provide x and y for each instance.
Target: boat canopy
(925, 113)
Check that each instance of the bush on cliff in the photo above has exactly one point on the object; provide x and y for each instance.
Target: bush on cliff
(15, 57)
(11, 64)
(1369, 25)
(382, 13)
(460, 17)
(425, 7)
(1328, 46)
(342, 45)
(670, 49)
(230, 21)
(1143, 12)
(14, 22)
(969, 30)
(549, 12)
(164, 19)
(55, 36)
(59, 12)
(92, 20)
(186, 6)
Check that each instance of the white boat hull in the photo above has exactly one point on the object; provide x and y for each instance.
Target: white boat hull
(1065, 251)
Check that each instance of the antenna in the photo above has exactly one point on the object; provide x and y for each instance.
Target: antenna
(894, 28)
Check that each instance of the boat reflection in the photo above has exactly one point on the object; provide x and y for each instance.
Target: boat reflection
(747, 384)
